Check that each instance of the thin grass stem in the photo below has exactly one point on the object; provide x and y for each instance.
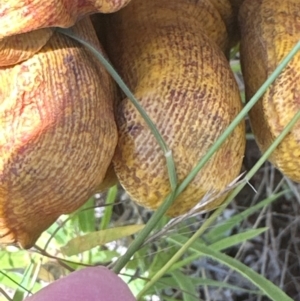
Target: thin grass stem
(238, 119)
(215, 215)
(122, 261)
(110, 199)
(107, 65)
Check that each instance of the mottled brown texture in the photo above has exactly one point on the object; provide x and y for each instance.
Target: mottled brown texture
(24, 25)
(236, 3)
(20, 47)
(57, 134)
(19, 16)
(270, 29)
(168, 54)
(228, 9)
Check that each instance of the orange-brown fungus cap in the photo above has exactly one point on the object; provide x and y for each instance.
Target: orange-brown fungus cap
(57, 134)
(24, 25)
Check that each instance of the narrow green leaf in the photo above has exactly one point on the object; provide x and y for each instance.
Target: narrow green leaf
(103, 257)
(221, 244)
(184, 262)
(58, 233)
(19, 293)
(122, 261)
(141, 260)
(162, 256)
(271, 290)
(12, 260)
(219, 284)
(86, 216)
(139, 240)
(36, 270)
(110, 199)
(186, 286)
(160, 140)
(88, 241)
(235, 67)
(13, 279)
(220, 230)
(239, 118)
(62, 231)
(234, 51)
(169, 282)
(237, 239)
(218, 211)
(135, 285)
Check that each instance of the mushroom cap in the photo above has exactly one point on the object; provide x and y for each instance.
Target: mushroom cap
(20, 16)
(57, 134)
(26, 26)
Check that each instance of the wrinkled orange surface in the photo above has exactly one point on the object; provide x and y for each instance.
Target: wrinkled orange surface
(34, 17)
(270, 29)
(169, 52)
(57, 134)
(19, 16)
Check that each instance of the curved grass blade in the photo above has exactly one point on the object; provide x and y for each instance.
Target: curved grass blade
(86, 216)
(93, 239)
(271, 290)
(218, 231)
(214, 216)
(110, 199)
(25, 282)
(121, 262)
(222, 244)
(188, 289)
(169, 282)
(13, 280)
(239, 118)
(135, 102)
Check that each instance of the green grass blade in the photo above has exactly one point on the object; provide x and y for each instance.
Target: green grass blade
(267, 287)
(14, 260)
(160, 259)
(121, 262)
(110, 199)
(86, 216)
(169, 282)
(214, 216)
(238, 119)
(184, 262)
(222, 244)
(220, 230)
(171, 167)
(91, 240)
(271, 290)
(139, 240)
(167, 152)
(186, 286)
(34, 276)
(236, 239)
(19, 293)
(13, 280)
